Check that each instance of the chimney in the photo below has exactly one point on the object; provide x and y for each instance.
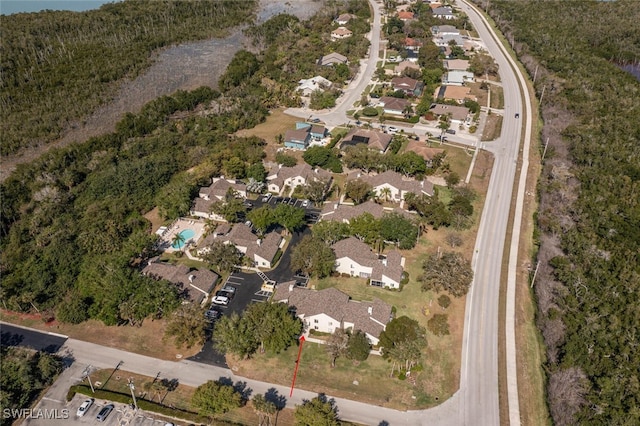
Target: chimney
(191, 277)
(290, 287)
(370, 310)
(259, 242)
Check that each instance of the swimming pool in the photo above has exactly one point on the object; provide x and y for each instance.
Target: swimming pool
(186, 235)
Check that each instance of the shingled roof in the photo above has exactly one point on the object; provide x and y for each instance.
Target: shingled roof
(398, 181)
(198, 282)
(337, 305)
(359, 252)
(373, 139)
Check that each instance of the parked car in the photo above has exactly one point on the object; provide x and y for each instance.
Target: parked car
(104, 413)
(229, 295)
(221, 300)
(213, 314)
(305, 204)
(266, 197)
(451, 131)
(248, 223)
(392, 129)
(286, 200)
(292, 201)
(228, 289)
(315, 120)
(82, 410)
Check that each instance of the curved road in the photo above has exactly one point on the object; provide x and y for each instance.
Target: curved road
(476, 402)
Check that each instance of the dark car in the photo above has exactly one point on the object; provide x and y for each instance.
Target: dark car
(517, 115)
(451, 131)
(106, 410)
(315, 120)
(213, 314)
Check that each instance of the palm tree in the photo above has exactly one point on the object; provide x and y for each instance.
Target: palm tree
(178, 240)
(385, 193)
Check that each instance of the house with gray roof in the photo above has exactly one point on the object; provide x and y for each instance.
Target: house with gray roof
(443, 12)
(441, 30)
(457, 114)
(393, 186)
(217, 191)
(197, 284)
(330, 309)
(457, 77)
(261, 251)
(408, 85)
(345, 212)
(291, 177)
(394, 106)
(332, 59)
(356, 258)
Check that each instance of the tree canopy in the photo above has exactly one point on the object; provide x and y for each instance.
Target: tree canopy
(312, 256)
(319, 411)
(214, 397)
(450, 272)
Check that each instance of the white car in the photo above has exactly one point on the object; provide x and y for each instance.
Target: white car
(221, 300)
(392, 129)
(305, 203)
(82, 410)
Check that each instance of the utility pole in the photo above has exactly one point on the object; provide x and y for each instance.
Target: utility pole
(535, 74)
(542, 95)
(133, 394)
(544, 152)
(86, 374)
(533, 280)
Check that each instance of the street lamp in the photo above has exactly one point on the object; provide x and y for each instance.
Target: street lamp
(86, 374)
(133, 395)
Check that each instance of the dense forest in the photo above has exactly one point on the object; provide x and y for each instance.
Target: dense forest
(588, 286)
(58, 66)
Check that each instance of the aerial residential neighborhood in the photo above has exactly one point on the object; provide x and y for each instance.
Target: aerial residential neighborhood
(319, 212)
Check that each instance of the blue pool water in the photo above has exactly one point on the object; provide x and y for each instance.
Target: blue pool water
(186, 234)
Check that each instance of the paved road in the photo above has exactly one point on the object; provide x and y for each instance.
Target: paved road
(11, 335)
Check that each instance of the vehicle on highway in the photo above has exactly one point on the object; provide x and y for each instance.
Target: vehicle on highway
(266, 197)
(104, 413)
(82, 410)
(392, 129)
(221, 300)
(451, 131)
(517, 115)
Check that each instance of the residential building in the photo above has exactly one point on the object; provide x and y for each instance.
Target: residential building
(445, 40)
(297, 139)
(442, 30)
(457, 114)
(374, 139)
(333, 59)
(196, 284)
(261, 251)
(291, 177)
(308, 86)
(355, 258)
(402, 66)
(340, 33)
(412, 43)
(424, 151)
(443, 12)
(456, 64)
(217, 191)
(408, 85)
(393, 186)
(330, 309)
(405, 15)
(456, 93)
(394, 106)
(345, 212)
(344, 18)
(457, 78)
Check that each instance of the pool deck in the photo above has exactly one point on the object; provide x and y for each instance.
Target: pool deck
(178, 226)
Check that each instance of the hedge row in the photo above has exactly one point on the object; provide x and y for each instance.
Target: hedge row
(143, 404)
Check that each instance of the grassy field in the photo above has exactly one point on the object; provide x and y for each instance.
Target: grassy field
(497, 96)
(277, 123)
(493, 127)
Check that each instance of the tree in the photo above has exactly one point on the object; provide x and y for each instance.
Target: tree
(316, 190)
(317, 155)
(273, 325)
(410, 164)
(235, 167)
(257, 172)
(318, 411)
(286, 160)
(359, 346)
(233, 335)
(444, 301)
(402, 342)
(262, 218)
(337, 345)
(330, 231)
(483, 64)
(365, 227)
(224, 256)
(232, 210)
(450, 272)
(313, 257)
(73, 310)
(358, 190)
(290, 217)
(264, 409)
(187, 326)
(438, 325)
(178, 240)
(452, 179)
(385, 194)
(399, 229)
(213, 398)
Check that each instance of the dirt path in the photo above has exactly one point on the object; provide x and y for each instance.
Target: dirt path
(182, 67)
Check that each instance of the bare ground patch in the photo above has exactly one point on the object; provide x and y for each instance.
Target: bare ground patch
(492, 127)
(277, 123)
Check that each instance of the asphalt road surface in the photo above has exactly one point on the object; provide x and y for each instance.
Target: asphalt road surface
(16, 336)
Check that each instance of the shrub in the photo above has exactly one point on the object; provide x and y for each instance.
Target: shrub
(369, 112)
(438, 325)
(444, 301)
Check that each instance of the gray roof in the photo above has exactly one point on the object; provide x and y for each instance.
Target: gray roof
(356, 250)
(198, 283)
(404, 83)
(345, 212)
(457, 112)
(280, 174)
(397, 181)
(374, 139)
(219, 188)
(333, 58)
(337, 305)
(397, 104)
